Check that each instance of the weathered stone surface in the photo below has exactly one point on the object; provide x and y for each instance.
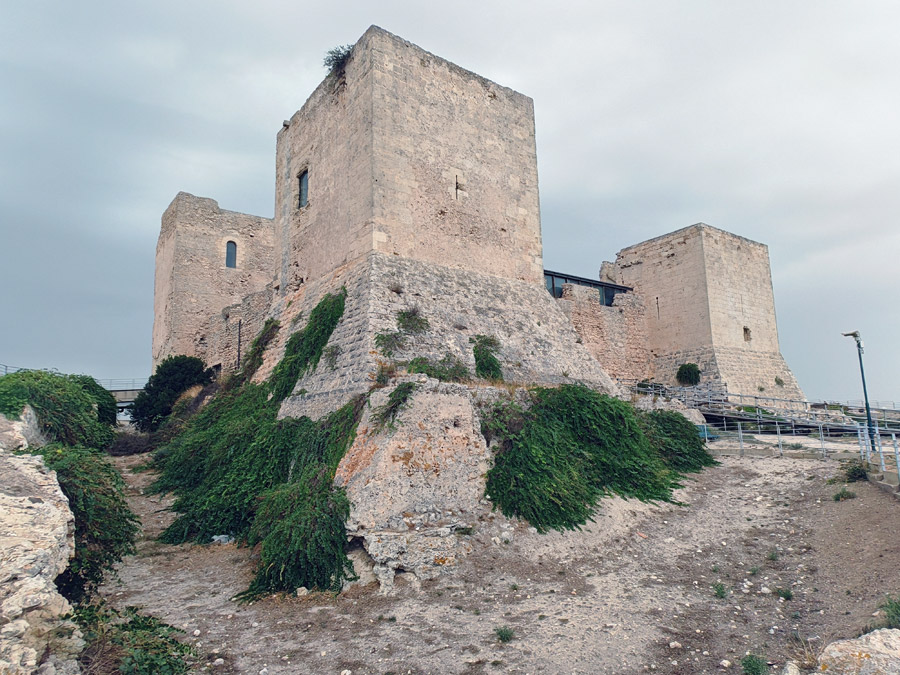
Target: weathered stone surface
(537, 342)
(650, 402)
(22, 433)
(708, 300)
(875, 653)
(413, 482)
(36, 541)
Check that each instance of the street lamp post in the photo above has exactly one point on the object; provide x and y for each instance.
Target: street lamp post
(862, 372)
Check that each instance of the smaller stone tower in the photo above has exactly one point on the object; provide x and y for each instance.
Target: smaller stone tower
(206, 259)
(708, 300)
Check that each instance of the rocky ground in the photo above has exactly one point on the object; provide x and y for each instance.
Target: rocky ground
(636, 591)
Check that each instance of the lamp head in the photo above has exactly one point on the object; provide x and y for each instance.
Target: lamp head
(853, 334)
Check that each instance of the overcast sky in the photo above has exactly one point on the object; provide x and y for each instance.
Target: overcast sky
(774, 120)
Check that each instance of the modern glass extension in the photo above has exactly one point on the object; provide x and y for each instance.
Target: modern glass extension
(606, 290)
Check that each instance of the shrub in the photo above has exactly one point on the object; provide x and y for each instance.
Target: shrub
(336, 58)
(384, 415)
(305, 347)
(105, 528)
(843, 494)
(504, 633)
(172, 377)
(891, 607)
(64, 405)
(571, 447)
(854, 470)
(129, 642)
(236, 469)
(676, 440)
(448, 369)
(388, 343)
(106, 402)
(754, 665)
(779, 382)
(486, 363)
(688, 374)
(411, 321)
(719, 590)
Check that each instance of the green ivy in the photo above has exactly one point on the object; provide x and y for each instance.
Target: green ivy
(304, 348)
(571, 447)
(487, 365)
(676, 440)
(237, 469)
(66, 406)
(105, 527)
(448, 369)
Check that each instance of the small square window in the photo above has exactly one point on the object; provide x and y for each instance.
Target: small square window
(303, 179)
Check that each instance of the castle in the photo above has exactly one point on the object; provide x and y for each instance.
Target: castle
(412, 182)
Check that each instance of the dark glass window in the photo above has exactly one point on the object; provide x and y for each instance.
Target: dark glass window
(304, 189)
(231, 254)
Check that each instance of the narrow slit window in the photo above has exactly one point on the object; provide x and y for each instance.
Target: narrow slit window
(231, 254)
(746, 334)
(303, 179)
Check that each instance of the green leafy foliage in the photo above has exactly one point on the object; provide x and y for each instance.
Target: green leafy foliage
(891, 607)
(129, 642)
(105, 528)
(384, 415)
(64, 405)
(237, 469)
(389, 343)
(448, 369)
(854, 470)
(336, 58)
(571, 447)
(106, 402)
(843, 495)
(486, 363)
(753, 664)
(676, 440)
(504, 633)
(304, 348)
(173, 377)
(688, 374)
(411, 321)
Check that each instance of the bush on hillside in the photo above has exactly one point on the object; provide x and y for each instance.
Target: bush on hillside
(172, 377)
(237, 469)
(571, 447)
(675, 439)
(105, 528)
(106, 402)
(67, 406)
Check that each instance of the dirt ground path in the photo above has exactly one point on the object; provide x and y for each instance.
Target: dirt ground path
(634, 592)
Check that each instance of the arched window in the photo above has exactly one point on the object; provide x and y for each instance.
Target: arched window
(231, 254)
(303, 179)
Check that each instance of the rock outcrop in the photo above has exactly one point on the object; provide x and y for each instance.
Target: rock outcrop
(22, 433)
(413, 482)
(37, 533)
(875, 653)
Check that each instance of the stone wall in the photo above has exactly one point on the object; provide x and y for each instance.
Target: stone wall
(37, 539)
(192, 281)
(616, 336)
(229, 334)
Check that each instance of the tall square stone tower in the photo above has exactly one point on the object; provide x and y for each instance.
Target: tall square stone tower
(403, 153)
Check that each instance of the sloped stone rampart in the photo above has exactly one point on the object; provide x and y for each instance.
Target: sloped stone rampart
(37, 533)
(538, 344)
